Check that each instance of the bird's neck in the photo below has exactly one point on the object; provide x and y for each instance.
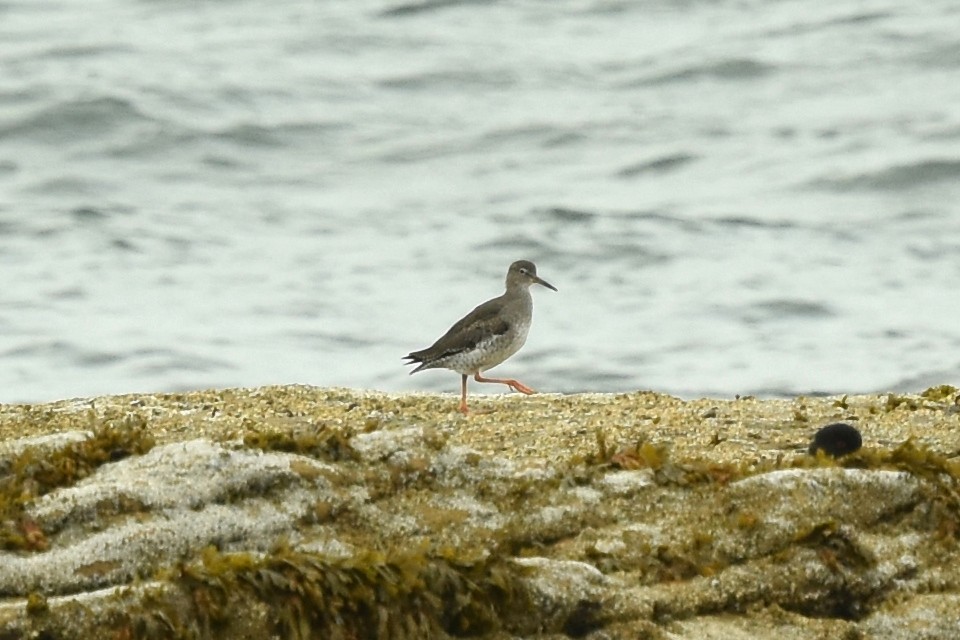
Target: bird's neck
(519, 296)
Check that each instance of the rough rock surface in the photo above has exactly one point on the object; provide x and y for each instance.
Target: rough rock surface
(296, 512)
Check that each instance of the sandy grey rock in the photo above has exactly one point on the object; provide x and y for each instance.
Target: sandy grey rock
(297, 512)
(143, 513)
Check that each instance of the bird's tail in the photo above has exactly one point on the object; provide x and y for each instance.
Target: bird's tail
(413, 358)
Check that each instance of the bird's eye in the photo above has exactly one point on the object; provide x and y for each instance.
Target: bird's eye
(523, 270)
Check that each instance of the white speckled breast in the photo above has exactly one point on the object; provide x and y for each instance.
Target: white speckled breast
(490, 352)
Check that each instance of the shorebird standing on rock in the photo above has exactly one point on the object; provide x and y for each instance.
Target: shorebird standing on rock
(488, 335)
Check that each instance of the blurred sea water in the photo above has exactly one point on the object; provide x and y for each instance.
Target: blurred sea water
(733, 197)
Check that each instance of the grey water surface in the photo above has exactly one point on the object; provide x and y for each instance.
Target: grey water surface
(732, 196)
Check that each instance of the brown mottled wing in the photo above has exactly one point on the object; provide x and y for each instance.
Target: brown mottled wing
(483, 322)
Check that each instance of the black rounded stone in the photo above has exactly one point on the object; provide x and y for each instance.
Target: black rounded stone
(837, 439)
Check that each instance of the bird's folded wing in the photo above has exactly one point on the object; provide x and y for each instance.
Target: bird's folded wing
(483, 323)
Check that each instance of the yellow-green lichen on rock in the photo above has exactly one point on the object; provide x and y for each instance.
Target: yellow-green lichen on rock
(297, 512)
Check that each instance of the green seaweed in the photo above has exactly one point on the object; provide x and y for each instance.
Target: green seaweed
(321, 442)
(941, 393)
(894, 402)
(646, 455)
(372, 595)
(37, 604)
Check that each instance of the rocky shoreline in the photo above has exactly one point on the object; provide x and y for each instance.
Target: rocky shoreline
(300, 512)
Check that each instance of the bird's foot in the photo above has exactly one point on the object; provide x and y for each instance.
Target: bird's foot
(519, 386)
(516, 385)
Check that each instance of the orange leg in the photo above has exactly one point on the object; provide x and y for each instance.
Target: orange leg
(510, 382)
(463, 394)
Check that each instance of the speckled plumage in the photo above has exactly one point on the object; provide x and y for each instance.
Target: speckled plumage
(488, 335)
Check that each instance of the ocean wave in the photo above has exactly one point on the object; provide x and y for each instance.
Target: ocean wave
(787, 307)
(452, 79)
(663, 164)
(276, 135)
(566, 215)
(724, 69)
(897, 178)
(417, 8)
(754, 223)
(813, 23)
(75, 120)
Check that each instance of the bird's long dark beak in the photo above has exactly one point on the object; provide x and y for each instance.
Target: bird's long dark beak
(544, 283)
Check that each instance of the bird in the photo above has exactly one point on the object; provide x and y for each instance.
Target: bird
(488, 335)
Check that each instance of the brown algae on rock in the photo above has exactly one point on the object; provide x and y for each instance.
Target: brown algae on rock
(32, 467)
(296, 512)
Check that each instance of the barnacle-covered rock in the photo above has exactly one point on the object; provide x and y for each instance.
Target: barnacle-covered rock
(297, 512)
